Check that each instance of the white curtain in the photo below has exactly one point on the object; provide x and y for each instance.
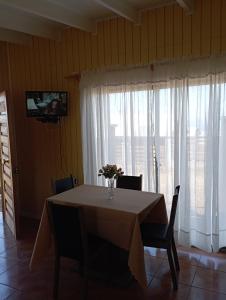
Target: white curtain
(180, 109)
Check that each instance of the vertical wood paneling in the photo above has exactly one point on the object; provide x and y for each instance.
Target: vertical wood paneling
(121, 42)
(75, 59)
(100, 39)
(144, 38)
(216, 26)
(69, 51)
(169, 32)
(136, 44)
(114, 41)
(94, 49)
(107, 43)
(160, 33)
(196, 29)
(152, 36)
(51, 151)
(206, 28)
(88, 50)
(81, 48)
(223, 27)
(178, 31)
(187, 33)
(129, 42)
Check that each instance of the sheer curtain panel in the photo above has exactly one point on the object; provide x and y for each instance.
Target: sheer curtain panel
(179, 111)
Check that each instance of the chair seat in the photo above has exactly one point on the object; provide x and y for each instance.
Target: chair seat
(153, 232)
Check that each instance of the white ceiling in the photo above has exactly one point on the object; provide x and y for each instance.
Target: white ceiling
(47, 18)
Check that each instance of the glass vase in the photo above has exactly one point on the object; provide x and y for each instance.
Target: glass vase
(111, 182)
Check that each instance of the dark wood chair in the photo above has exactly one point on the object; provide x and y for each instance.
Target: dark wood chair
(64, 184)
(71, 240)
(129, 182)
(177, 190)
(162, 236)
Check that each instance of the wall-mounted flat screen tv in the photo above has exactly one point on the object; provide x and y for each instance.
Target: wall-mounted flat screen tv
(41, 104)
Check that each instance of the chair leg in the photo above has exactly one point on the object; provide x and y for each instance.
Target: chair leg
(85, 283)
(172, 267)
(175, 255)
(56, 277)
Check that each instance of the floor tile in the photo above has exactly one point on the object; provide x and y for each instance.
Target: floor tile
(210, 280)
(187, 256)
(17, 253)
(202, 275)
(213, 261)
(5, 291)
(152, 264)
(201, 294)
(160, 289)
(185, 276)
(20, 278)
(160, 253)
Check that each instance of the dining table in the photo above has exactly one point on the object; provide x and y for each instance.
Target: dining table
(116, 219)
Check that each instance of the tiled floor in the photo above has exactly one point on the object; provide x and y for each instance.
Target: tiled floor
(202, 275)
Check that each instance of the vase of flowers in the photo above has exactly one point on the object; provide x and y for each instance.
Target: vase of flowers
(110, 172)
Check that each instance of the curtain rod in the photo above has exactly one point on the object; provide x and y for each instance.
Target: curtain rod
(78, 75)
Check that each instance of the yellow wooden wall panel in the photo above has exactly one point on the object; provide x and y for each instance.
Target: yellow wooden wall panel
(4, 74)
(187, 35)
(114, 41)
(121, 42)
(45, 44)
(216, 26)
(178, 31)
(36, 59)
(107, 43)
(43, 56)
(81, 51)
(169, 32)
(206, 28)
(196, 29)
(136, 44)
(69, 51)
(64, 54)
(100, 39)
(223, 27)
(59, 64)
(88, 50)
(74, 42)
(94, 51)
(144, 38)
(160, 33)
(52, 151)
(129, 42)
(152, 36)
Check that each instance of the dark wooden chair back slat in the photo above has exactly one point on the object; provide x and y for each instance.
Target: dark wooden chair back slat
(170, 228)
(64, 184)
(68, 230)
(129, 182)
(177, 190)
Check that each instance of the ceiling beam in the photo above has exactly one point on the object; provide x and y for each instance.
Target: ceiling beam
(53, 12)
(120, 8)
(15, 20)
(10, 36)
(187, 5)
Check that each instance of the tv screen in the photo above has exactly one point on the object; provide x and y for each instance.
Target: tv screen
(41, 104)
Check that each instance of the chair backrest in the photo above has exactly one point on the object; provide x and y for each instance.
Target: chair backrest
(129, 182)
(177, 190)
(64, 184)
(68, 230)
(169, 232)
